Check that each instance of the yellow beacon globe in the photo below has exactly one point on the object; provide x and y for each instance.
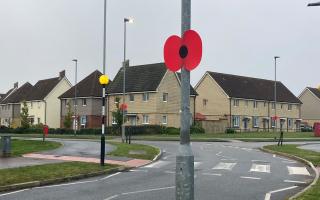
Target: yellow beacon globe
(104, 79)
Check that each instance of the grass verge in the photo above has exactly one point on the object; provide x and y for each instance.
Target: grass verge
(20, 147)
(314, 192)
(48, 172)
(123, 150)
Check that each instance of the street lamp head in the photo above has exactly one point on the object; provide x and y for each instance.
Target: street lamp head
(75, 60)
(128, 20)
(276, 57)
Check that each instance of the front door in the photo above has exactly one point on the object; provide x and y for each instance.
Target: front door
(245, 124)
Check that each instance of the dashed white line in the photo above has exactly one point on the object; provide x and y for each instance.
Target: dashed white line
(149, 190)
(112, 197)
(107, 177)
(6, 194)
(169, 172)
(211, 174)
(268, 195)
(138, 170)
(248, 177)
(225, 166)
(260, 168)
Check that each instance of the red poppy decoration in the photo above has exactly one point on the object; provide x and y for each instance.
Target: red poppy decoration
(183, 52)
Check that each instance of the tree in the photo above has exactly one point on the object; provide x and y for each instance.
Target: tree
(68, 118)
(117, 115)
(24, 115)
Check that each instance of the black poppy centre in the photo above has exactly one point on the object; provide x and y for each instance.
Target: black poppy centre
(183, 51)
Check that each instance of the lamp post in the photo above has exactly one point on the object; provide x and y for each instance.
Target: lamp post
(103, 81)
(123, 129)
(275, 91)
(75, 96)
(314, 4)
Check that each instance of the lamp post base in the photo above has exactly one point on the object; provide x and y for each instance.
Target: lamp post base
(185, 173)
(103, 145)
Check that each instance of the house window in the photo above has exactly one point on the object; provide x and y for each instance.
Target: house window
(235, 102)
(39, 105)
(84, 102)
(247, 103)
(75, 102)
(255, 104)
(83, 120)
(113, 120)
(289, 123)
(265, 104)
(204, 102)
(31, 105)
(164, 119)
(289, 107)
(236, 121)
(255, 122)
(273, 123)
(281, 106)
(145, 96)
(131, 97)
(273, 106)
(39, 120)
(145, 119)
(165, 97)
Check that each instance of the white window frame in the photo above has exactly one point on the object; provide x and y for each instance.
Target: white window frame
(84, 102)
(145, 97)
(236, 102)
(255, 122)
(273, 106)
(131, 97)
(273, 123)
(113, 120)
(255, 104)
(145, 119)
(289, 107)
(247, 103)
(290, 122)
(236, 121)
(164, 119)
(165, 97)
(204, 102)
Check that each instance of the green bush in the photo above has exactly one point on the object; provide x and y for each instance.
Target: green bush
(172, 131)
(230, 131)
(196, 129)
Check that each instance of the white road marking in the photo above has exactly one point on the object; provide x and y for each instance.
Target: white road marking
(149, 190)
(298, 171)
(169, 172)
(289, 162)
(260, 168)
(157, 164)
(224, 157)
(248, 177)
(112, 197)
(268, 195)
(260, 161)
(67, 184)
(211, 174)
(138, 170)
(110, 176)
(225, 166)
(274, 155)
(289, 181)
(6, 194)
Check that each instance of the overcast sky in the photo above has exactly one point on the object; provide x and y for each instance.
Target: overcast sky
(39, 38)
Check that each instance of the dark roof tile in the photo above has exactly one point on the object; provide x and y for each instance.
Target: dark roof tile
(253, 88)
(315, 91)
(42, 88)
(19, 95)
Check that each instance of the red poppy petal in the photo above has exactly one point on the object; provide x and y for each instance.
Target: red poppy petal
(192, 41)
(171, 53)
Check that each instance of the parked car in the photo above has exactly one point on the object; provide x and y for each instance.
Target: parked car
(305, 127)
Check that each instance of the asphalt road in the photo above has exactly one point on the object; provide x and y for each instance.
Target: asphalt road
(223, 171)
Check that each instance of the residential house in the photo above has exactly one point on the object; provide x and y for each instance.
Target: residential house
(152, 95)
(88, 104)
(43, 102)
(10, 105)
(310, 109)
(245, 104)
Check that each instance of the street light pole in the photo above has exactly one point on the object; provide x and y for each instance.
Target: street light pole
(275, 91)
(123, 128)
(75, 97)
(185, 158)
(103, 111)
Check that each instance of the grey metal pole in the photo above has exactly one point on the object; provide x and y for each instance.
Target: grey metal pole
(103, 119)
(123, 128)
(314, 4)
(185, 158)
(75, 97)
(275, 90)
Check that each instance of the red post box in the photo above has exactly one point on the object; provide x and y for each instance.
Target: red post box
(316, 128)
(45, 130)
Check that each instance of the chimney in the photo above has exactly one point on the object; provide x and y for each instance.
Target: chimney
(16, 85)
(62, 74)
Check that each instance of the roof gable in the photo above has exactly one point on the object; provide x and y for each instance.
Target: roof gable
(42, 88)
(142, 78)
(315, 91)
(19, 95)
(253, 88)
(87, 87)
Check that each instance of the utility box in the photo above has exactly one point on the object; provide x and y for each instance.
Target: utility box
(5, 146)
(316, 128)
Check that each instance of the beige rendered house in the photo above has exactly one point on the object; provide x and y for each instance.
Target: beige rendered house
(310, 109)
(152, 95)
(43, 102)
(245, 104)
